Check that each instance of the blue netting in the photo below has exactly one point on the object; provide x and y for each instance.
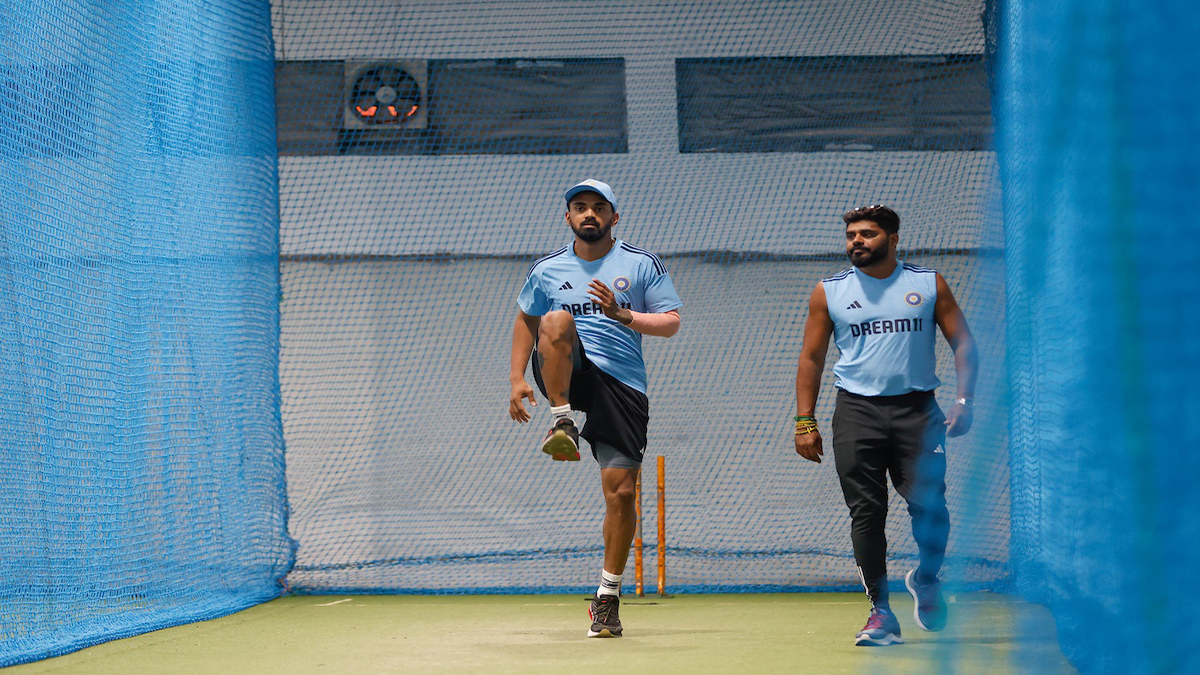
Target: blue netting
(1096, 122)
(150, 368)
(139, 402)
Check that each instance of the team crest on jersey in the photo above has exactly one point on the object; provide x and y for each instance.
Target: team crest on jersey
(621, 284)
(914, 298)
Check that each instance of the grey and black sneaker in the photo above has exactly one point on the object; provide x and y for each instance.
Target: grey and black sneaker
(929, 608)
(562, 441)
(606, 621)
(882, 629)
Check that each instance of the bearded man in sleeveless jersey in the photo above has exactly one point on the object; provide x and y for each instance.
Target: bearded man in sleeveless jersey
(882, 313)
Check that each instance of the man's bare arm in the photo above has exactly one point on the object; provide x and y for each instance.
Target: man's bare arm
(953, 322)
(525, 330)
(809, 368)
(660, 324)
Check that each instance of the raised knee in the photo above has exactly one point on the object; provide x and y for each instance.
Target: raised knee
(556, 325)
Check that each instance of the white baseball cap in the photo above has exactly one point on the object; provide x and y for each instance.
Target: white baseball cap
(592, 185)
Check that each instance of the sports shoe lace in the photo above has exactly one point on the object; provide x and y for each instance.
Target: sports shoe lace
(876, 619)
(603, 609)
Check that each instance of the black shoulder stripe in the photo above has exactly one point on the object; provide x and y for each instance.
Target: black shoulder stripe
(917, 268)
(839, 276)
(639, 249)
(544, 258)
(658, 266)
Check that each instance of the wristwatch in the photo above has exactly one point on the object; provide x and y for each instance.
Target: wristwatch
(966, 403)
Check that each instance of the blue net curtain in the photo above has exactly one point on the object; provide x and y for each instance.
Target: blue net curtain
(1099, 189)
(142, 451)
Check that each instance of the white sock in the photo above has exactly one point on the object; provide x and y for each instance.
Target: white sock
(560, 411)
(610, 584)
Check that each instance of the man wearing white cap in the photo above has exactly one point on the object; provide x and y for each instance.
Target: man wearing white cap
(583, 311)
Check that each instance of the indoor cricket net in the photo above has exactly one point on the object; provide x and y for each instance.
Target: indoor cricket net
(424, 150)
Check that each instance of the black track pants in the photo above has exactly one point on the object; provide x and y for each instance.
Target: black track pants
(904, 436)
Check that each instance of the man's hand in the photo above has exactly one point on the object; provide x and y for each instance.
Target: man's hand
(516, 408)
(608, 302)
(958, 422)
(808, 446)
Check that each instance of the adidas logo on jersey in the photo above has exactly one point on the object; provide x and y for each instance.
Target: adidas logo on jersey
(854, 305)
(565, 287)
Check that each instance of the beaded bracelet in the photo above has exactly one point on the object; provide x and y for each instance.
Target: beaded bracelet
(805, 424)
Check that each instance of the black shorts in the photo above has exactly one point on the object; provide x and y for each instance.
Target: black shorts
(617, 414)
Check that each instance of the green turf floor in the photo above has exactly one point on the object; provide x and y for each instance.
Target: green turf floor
(777, 633)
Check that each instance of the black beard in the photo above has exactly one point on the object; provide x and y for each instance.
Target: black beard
(872, 257)
(592, 236)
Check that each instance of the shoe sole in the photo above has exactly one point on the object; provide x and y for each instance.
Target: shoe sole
(909, 583)
(561, 447)
(885, 641)
(604, 633)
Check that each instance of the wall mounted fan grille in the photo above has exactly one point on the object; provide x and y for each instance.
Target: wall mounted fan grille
(385, 95)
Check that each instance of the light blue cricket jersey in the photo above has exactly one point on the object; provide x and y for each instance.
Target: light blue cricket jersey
(638, 279)
(884, 329)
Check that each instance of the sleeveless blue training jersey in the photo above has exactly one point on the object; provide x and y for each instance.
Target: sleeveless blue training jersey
(638, 279)
(884, 329)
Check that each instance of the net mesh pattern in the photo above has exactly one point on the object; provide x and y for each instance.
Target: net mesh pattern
(203, 259)
(139, 322)
(1100, 239)
(735, 134)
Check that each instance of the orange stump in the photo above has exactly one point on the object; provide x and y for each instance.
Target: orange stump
(638, 572)
(662, 527)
